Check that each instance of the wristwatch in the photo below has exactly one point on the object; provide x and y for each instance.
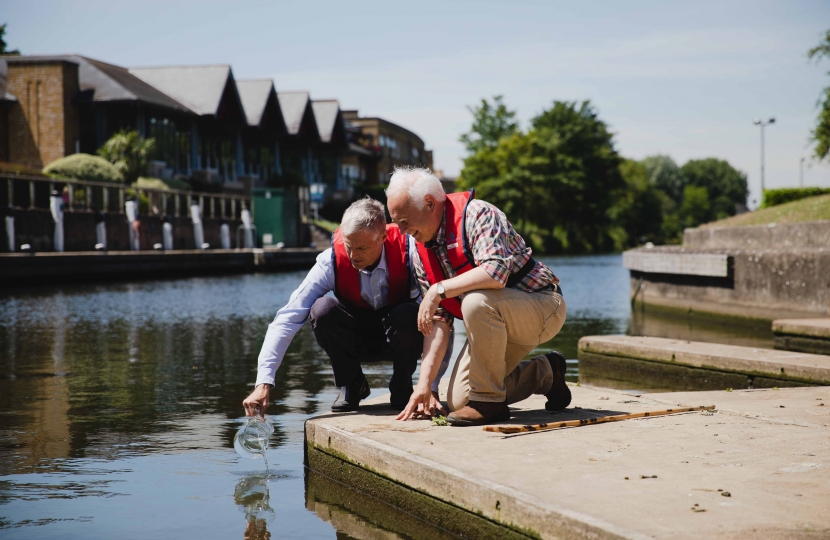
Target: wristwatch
(441, 292)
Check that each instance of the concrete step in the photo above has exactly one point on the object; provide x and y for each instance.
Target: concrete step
(768, 363)
(805, 335)
(766, 448)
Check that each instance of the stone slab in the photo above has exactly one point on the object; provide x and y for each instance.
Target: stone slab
(788, 365)
(805, 235)
(816, 328)
(767, 448)
(689, 264)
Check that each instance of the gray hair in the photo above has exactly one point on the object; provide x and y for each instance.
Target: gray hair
(416, 183)
(363, 214)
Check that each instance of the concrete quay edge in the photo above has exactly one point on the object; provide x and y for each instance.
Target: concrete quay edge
(50, 267)
(816, 328)
(517, 511)
(787, 365)
(766, 447)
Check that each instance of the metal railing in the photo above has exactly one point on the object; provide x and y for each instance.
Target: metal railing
(29, 192)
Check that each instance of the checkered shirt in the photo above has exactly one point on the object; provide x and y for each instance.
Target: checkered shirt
(495, 246)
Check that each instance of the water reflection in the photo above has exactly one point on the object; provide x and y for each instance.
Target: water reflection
(252, 495)
(119, 403)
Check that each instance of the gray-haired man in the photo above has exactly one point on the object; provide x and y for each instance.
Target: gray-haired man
(372, 317)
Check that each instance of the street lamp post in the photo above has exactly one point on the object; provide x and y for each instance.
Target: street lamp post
(759, 122)
(801, 173)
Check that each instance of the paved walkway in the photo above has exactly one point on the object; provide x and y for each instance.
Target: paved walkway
(661, 477)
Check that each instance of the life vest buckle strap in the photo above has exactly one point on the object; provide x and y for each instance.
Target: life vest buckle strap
(516, 278)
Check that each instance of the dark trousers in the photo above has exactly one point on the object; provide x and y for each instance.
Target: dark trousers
(354, 336)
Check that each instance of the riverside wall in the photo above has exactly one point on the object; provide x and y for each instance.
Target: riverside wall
(765, 272)
(36, 228)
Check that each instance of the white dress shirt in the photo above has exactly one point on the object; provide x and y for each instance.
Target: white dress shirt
(374, 288)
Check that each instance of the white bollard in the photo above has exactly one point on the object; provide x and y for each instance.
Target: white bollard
(10, 231)
(131, 209)
(100, 231)
(249, 231)
(198, 231)
(225, 236)
(167, 234)
(56, 206)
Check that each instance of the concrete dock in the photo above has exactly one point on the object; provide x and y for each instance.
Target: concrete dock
(23, 269)
(806, 335)
(759, 467)
(707, 365)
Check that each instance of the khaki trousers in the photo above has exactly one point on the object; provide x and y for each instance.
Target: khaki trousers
(503, 325)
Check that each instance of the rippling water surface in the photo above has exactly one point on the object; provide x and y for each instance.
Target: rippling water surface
(118, 405)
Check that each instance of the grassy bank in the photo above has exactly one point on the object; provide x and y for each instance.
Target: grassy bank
(812, 209)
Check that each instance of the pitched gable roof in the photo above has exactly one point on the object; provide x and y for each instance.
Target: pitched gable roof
(294, 107)
(200, 88)
(108, 82)
(327, 115)
(254, 94)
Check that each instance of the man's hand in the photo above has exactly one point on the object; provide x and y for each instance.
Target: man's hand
(427, 309)
(424, 403)
(257, 402)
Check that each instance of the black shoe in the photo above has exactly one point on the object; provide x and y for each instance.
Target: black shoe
(349, 397)
(399, 400)
(559, 395)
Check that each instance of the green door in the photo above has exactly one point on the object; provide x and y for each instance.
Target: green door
(275, 214)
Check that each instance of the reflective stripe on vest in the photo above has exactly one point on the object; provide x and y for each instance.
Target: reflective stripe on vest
(347, 277)
(460, 255)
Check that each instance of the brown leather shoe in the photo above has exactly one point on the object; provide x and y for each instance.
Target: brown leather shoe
(478, 413)
(559, 396)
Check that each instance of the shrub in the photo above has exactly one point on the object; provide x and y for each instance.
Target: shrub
(84, 167)
(18, 169)
(774, 197)
(128, 152)
(158, 183)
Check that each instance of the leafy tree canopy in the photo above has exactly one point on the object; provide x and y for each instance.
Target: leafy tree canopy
(726, 187)
(821, 133)
(556, 181)
(491, 122)
(4, 45)
(663, 173)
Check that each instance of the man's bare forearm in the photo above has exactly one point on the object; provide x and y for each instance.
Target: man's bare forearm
(475, 279)
(435, 346)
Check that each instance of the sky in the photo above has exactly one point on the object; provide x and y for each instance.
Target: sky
(685, 79)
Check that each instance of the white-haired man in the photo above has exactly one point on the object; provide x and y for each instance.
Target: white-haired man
(372, 317)
(474, 266)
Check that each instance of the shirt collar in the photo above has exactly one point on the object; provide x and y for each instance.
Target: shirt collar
(381, 264)
(441, 235)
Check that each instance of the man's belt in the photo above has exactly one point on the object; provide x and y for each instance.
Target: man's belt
(516, 278)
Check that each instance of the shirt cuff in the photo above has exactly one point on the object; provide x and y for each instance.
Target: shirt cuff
(498, 271)
(264, 378)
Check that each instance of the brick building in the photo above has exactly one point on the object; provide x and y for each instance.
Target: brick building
(207, 125)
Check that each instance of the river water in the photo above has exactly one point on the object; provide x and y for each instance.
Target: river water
(119, 402)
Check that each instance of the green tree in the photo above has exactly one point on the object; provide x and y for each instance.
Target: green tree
(128, 152)
(637, 211)
(664, 174)
(726, 187)
(557, 182)
(821, 133)
(4, 45)
(491, 122)
(695, 209)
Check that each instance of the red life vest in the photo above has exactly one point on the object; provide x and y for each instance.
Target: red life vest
(347, 277)
(458, 249)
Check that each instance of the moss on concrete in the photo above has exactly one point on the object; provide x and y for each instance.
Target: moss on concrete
(445, 516)
(653, 375)
(805, 344)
